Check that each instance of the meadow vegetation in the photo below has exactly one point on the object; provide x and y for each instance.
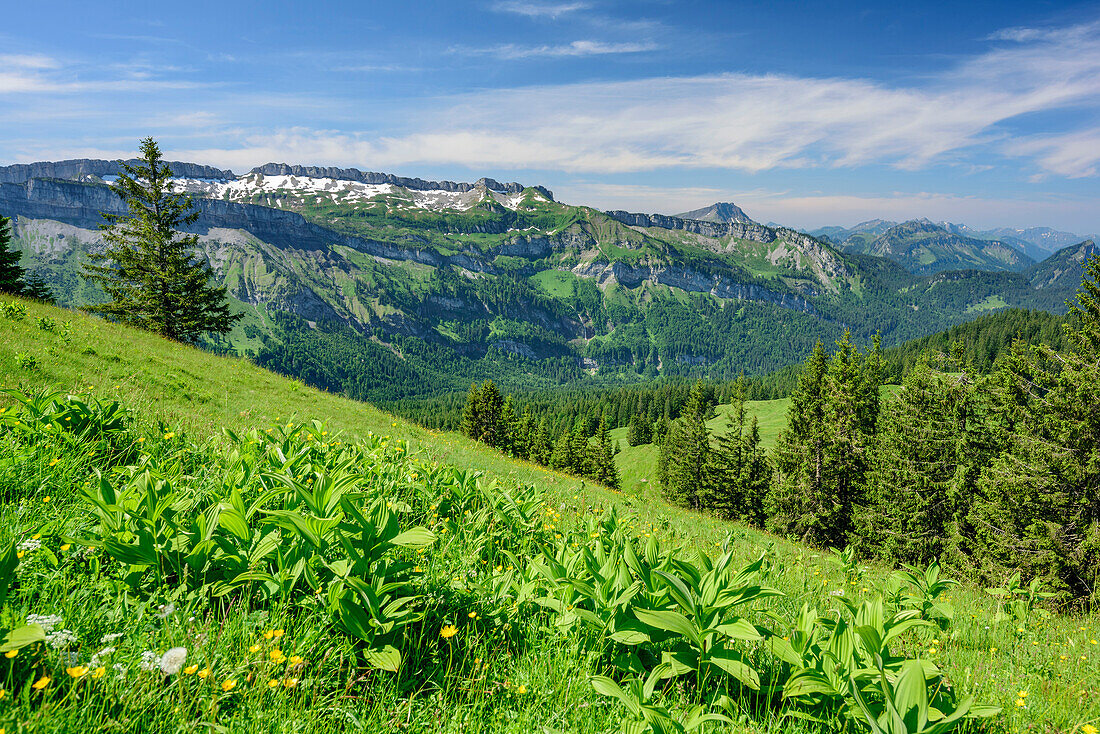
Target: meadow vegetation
(262, 556)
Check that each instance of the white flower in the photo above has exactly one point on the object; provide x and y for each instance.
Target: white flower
(30, 544)
(120, 670)
(838, 592)
(60, 639)
(172, 661)
(98, 657)
(150, 661)
(164, 610)
(109, 638)
(46, 621)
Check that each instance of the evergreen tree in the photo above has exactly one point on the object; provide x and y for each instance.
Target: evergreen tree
(561, 458)
(640, 430)
(149, 270)
(578, 449)
(684, 454)
(739, 475)
(1037, 507)
(822, 456)
(603, 457)
(11, 273)
(920, 458)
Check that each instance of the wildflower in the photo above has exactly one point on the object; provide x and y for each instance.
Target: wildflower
(229, 685)
(109, 638)
(1088, 729)
(295, 660)
(3, 693)
(45, 499)
(165, 610)
(290, 683)
(66, 547)
(41, 683)
(276, 634)
(77, 671)
(1021, 703)
(10, 654)
(31, 544)
(1021, 694)
(61, 639)
(99, 673)
(191, 670)
(150, 661)
(20, 554)
(169, 436)
(276, 656)
(54, 462)
(204, 673)
(273, 683)
(253, 648)
(472, 615)
(172, 661)
(521, 690)
(269, 634)
(448, 631)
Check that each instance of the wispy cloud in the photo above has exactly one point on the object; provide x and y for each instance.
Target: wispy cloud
(510, 51)
(1073, 155)
(747, 122)
(539, 9)
(28, 61)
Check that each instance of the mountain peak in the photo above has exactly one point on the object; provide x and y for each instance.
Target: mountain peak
(722, 212)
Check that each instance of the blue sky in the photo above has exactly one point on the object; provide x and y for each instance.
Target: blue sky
(803, 113)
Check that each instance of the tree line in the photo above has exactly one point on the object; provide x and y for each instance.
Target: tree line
(991, 472)
(586, 450)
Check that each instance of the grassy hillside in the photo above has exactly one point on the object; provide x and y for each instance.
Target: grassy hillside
(509, 666)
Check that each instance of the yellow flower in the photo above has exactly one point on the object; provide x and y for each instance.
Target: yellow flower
(3, 693)
(54, 462)
(41, 683)
(11, 653)
(66, 547)
(99, 673)
(276, 634)
(268, 634)
(295, 660)
(191, 670)
(1021, 694)
(254, 648)
(141, 440)
(168, 437)
(77, 671)
(521, 690)
(448, 631)
(229, 685)
(472, 615)
(273, 683)
(1021, 703)
(276, 656)
(1088, 729)
(46, 499)
(290, 682)
(20, 554)
(205, 672)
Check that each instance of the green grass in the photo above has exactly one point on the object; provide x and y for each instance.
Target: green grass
(196, 394)
(989, 303)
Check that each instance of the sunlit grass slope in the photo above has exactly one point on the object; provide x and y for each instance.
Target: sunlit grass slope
(1051, 666)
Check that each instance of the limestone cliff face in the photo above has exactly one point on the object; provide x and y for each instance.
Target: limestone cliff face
(693, 281)
(80, 167)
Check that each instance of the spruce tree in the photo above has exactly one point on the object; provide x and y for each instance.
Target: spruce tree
(684, 455)
(602, 462)
(1037, 508)
(739, 475)
(11, 273)
(149, 270)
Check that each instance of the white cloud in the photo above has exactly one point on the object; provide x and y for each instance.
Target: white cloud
(511, 51)
(1073, 155)
(539, 9)
(28, 61)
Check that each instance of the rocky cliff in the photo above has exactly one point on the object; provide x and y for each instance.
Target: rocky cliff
(78, 168)
(371, 177)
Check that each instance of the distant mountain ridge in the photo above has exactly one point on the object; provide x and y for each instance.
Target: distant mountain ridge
(722, 212)
(476, 280)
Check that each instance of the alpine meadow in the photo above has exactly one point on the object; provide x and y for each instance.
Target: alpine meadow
(550, 366)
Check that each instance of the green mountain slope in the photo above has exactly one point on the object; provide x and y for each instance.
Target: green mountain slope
(182, 398)
(922, 247)
(386, 288)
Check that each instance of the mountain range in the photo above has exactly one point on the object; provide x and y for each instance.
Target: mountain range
(385, 287)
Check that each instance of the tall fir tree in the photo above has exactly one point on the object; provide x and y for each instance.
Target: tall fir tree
(684, 453)
(919, 471)
(149, 269)
(11, 273)
(739, 476)
(602, 462)
(1037, 508)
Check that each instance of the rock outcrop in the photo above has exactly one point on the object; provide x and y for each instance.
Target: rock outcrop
(81, 167)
